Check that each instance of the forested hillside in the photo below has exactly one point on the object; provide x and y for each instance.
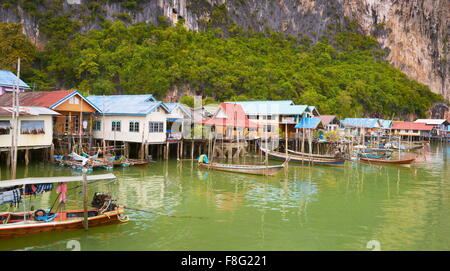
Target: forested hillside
(342, 74)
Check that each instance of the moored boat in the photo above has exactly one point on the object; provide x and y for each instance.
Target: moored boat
(105, 211)
(14, 225)
(388, 161)
(329, 156)
(336, 161)
(248, 169)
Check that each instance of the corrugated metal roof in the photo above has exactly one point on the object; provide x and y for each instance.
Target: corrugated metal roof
(126, 104)
(182, 107)
(27, 110)
(327, 119)
(411, 126)
(361, 122)
(308, 123)
(272, 107)
(432, 121)
(49, 99)
(8, 79)
(386, 124)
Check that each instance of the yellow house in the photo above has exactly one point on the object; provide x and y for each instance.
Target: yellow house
(35, 128)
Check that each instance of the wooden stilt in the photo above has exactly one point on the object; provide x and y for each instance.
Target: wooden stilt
(52, 153)
(85, 200)
(27, 158)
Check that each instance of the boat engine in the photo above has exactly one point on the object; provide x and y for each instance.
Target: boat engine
(103, 202)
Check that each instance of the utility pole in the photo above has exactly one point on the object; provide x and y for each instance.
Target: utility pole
(15, 120)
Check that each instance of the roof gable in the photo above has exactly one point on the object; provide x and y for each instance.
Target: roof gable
(9, 79)
(327, 119)
(231, 115)
(174, 106)
(309, 123)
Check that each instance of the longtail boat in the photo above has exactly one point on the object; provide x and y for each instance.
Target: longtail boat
(374, 156)
(248, 169)
(388, 161)
(104, 210)
(336, 161)
(329, 156)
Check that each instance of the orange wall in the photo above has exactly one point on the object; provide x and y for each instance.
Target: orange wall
(82, 106)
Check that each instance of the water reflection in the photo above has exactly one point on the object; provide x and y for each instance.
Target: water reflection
(302, 208)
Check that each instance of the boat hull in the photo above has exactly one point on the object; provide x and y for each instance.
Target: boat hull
(323, 156)
(34, 227)
(296, 159)
(255, 170)
(389, 162)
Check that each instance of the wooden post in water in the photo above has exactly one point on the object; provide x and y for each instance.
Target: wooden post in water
(85, 200)
(286, 139)
(15, 133)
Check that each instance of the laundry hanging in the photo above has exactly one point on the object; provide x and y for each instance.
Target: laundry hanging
(35, 189)
(62, 190)
(13, 196)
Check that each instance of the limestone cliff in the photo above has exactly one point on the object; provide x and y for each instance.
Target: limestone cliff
(414, 32)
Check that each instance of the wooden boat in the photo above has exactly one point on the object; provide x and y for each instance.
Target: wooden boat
(388, 161)
(375, 150)
(329, 156)
(335, 161)
(373, 156)
(247, 169)
(14, 225)
(104, 211)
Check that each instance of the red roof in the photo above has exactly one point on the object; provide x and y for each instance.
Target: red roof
(234, 117)
(36, 98)
(411, 126)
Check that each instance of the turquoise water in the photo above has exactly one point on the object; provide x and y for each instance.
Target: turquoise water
(302, 208)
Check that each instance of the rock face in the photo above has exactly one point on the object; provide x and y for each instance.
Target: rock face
(415, 33)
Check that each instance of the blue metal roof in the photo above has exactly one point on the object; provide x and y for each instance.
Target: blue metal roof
(8, 79)
(271, 107)
(126, 104)
(308, 123)
(361, 123)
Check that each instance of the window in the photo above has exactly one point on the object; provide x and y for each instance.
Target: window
(115, 126)
(268, 128)
(5, 127)
(155, 127)
(253, 117)
(268, 117)
(77, 123)
(66, 125)
(415, 131)
(32, 127)
(97, 125)
(134, 126)
(252, 129)
(74, 100)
